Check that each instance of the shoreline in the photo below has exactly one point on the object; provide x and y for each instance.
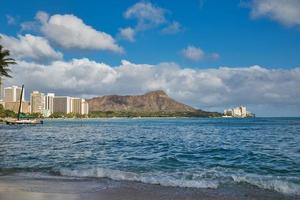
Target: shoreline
(33, 187)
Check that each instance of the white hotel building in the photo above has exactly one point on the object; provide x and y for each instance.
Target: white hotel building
(49, 104)
(66, 104)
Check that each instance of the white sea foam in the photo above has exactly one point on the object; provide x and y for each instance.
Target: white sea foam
(161, 179)
(199, 181)
(271, 183)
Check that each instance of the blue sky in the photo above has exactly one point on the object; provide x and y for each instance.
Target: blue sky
(191, 35)
(224, 27)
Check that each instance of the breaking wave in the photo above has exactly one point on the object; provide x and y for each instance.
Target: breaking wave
(270, 183)
(281, 186)
(160, 179)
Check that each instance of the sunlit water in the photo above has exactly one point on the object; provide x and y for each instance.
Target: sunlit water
(202, 153)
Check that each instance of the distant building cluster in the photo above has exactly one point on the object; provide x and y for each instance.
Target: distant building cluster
(45, 104)
(240, 111)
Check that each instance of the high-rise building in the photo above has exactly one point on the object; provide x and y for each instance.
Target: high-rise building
(79, 106)
(49, 102)
(62, 104)
(1, 90)
(13, 93)
(85, 108)
(37, 102)
(14, 106)
(76, 105)
(240, 111)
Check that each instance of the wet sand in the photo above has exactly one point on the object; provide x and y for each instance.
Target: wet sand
(14, 187)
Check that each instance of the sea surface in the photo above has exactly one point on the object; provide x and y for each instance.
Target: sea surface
(179, 152)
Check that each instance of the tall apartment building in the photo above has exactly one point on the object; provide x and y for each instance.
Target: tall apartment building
(236, 112)
(65, 104)
(13, 93)
(11, 99)
(1, 90)
(85, 108)
(49, 102)
(37, 102)
(62, 104)
(79, 106)
(14, 106)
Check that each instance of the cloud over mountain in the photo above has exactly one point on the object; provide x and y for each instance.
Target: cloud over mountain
(204, 88)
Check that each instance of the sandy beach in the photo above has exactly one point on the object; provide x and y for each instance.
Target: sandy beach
(32, 187)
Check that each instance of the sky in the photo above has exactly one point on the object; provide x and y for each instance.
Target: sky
(209, 54)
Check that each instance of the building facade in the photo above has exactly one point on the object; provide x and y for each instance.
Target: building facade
(62, 104)
(66, 105)
(240, 111)
(80, 106)
(1, 90)
(49, 98)
(13, 93)
(14, 106)
(37, 102)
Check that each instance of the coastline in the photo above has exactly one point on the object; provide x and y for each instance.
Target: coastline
(36, 186)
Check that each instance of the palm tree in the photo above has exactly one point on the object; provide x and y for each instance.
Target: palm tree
(5, 61)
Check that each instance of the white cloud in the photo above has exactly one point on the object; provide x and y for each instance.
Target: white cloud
(127, 33)
(146, 14)
(286, 12)
(214, 89)
(30, 46)
(193, 53)
(149, 16)
(70, 31)
(172, 28)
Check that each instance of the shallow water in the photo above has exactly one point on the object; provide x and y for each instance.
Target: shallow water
(196, 152)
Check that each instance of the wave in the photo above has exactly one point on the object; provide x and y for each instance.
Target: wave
(160, 179)
(269, 183)
(195, 181)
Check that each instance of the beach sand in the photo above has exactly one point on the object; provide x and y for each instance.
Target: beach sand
(14, 187)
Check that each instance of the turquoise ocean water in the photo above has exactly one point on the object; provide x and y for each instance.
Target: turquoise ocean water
(183, 152)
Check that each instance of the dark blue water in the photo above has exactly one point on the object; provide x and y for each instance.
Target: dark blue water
(202, 153)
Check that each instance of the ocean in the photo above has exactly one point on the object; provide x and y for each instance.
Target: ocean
(176, 152)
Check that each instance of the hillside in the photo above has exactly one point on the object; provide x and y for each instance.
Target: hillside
(151, 104)
(156, 101)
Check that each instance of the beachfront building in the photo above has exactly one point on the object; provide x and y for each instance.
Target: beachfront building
(62, 104)
(37, 102)
(79, 106)
(49, 98)
(14, 106)
(1, 91)
(85, 108)
(66, 104)
(13, 93)
(11, 99)
(240, 111)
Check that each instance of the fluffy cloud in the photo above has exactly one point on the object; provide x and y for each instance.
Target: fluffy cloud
(70, 31)
(212, 89)
(193, 53)
(286, 12)
(29, 46)
(147, 15)
(196, 54)
(127, 33)
(172, 28)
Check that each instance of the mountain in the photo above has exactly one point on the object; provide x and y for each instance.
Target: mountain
(155, 101)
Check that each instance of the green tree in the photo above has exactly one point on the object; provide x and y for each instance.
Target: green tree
(5, 61)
